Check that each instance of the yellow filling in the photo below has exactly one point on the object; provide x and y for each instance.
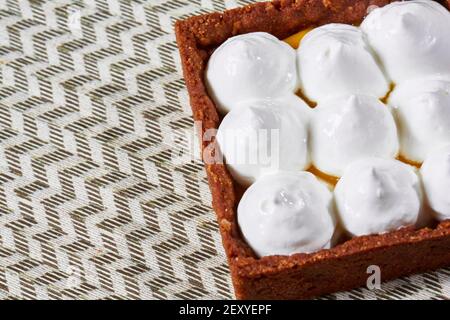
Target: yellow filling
(385, 99)
(294, 40)
(331, 180)
(410, 162)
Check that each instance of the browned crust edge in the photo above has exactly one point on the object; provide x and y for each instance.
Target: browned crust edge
(303, 275)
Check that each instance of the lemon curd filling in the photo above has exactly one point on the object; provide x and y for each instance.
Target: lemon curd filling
(294, 40)
(331, 180)
(385, 99)
(410, 162)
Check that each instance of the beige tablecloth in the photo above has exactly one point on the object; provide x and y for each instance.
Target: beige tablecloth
(100, 194)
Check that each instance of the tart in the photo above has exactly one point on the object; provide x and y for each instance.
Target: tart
(302, 275)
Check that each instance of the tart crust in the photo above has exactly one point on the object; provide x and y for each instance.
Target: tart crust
(299, 276)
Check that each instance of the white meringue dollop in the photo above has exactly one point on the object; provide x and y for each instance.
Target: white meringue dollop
(263, 136)
(435, 173)
(335, 60)
(347, 128)
(410, 37)
(249, 66)
(287, 213)
(377, 195)
(422, 109)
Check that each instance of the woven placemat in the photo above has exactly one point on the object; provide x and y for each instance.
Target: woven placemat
(101, 195)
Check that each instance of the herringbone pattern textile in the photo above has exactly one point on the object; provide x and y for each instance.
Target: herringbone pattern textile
(101, 195)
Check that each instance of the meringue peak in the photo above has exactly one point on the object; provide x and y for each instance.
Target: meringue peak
(400, 28)
(286, 213)
(249, 66)
(347, 128)
(435, 173)
(378, 195)
(325, 56)
(422, 109)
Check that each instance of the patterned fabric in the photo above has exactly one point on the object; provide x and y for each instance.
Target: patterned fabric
(102, 194)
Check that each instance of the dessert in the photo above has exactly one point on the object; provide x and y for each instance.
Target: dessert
(422, 109)
(263, 136)
(436, 180)
(410, 38)
(377, 195)
(346, 128)
(334, 60)
(254, 65)
(286, 213)
(300, 275)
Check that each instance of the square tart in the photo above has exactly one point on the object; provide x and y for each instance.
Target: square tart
(299, 276)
